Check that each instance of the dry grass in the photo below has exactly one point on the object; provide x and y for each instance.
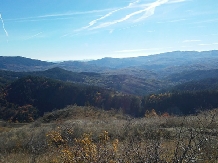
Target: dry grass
(85, 134)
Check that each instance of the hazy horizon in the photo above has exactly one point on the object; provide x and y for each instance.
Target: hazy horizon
(86, 60)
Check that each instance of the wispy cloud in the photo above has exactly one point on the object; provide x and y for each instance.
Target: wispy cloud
(147, 11)
(186, 46)
(206, 21)
(135, 50)
(57, 16)
(101, 18)
(176, 20)
(204, 44)
(73, 13)
(93, 22)
(138, 9)
(33, 36)
(3, 25)
(141, 11)
(176, 1)
(216, 43)
(111, 31)
(191, 40)
(171, 21)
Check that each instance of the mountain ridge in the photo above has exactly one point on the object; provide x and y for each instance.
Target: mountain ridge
(151, 62)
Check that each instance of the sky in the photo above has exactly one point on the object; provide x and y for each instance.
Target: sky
(57, 30)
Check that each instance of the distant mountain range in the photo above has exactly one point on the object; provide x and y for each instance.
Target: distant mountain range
(159, 62)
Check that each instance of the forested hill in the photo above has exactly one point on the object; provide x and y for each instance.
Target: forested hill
(123, 83)
(163, 60)
(191, 75)
(29, 97)
(22, 64)
(47, 94)
(129, 84)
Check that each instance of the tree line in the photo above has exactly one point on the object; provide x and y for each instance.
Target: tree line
(30, 97)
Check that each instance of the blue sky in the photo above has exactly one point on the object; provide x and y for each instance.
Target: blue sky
(55, 30)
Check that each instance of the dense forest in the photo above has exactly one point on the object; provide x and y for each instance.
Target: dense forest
(30, 97)
(39, 95)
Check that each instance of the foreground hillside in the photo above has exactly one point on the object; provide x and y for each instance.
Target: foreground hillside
(86, 134)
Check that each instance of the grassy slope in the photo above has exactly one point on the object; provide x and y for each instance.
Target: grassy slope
(149, 139)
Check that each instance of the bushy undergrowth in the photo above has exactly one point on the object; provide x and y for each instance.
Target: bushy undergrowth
(84, 135)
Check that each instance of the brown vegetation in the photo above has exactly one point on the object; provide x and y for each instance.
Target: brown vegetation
(85, 134)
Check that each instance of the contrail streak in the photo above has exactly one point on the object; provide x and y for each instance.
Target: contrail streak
(96, 20)
(34, 36)
(148, 10)
(3, 25)
(107, 15)
(141, 12)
